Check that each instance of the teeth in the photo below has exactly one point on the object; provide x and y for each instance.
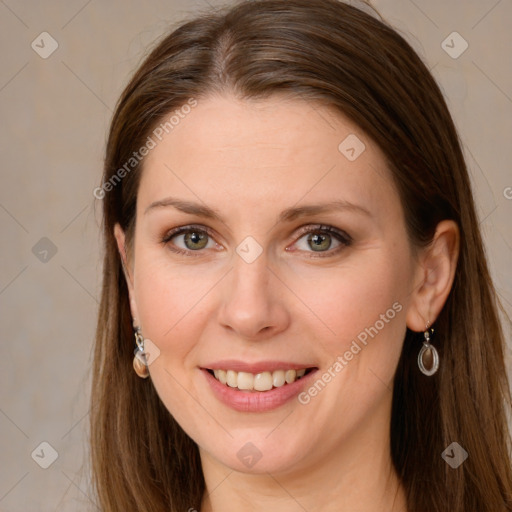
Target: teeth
(263, 381)
(222, 376)
(232, 378)
(245, 380)
(278, 378)
(290, 376)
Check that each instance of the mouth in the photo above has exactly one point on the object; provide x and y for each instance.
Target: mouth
(261, 382)
(257, 387)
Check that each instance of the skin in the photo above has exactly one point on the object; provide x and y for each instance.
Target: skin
(250, 160)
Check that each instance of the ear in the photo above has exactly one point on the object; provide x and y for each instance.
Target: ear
(435, 275)
(121, 245)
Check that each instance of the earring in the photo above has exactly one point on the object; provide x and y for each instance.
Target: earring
(139, 361)
(428, 354)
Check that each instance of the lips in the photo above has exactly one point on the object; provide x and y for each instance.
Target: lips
(257, 387)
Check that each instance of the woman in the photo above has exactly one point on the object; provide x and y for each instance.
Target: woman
(292, 256)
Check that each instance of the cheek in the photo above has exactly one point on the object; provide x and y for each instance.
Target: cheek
(166, 300)
(360, 311)
(170, 302)
(363, 304)
(347, 299)
(175, 308)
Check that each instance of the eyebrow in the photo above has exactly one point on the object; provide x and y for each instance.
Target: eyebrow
(287, 215)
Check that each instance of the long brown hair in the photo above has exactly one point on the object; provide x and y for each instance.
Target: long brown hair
(336, 54)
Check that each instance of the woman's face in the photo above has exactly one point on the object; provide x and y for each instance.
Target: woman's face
(259, 288)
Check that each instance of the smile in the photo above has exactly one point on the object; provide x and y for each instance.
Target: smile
(263, 381)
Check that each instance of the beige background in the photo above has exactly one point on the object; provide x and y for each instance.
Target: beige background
(54, 117)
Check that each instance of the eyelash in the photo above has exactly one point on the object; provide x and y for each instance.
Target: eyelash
(342, 237)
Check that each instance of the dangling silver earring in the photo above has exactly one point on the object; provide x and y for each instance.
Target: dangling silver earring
(428, 352)
(139, 361)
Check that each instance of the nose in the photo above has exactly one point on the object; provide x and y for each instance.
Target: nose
(253, 300)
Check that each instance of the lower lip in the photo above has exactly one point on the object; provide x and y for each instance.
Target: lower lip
(257, 401)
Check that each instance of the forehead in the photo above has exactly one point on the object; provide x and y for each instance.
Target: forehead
(265, 153)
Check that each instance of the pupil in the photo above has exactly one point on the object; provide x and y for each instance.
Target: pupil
(318, 240)
(194, 238)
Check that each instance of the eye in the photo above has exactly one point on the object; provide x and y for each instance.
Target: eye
(192, 238)
(320, 239)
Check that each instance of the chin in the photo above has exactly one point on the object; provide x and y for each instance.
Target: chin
(258, 454)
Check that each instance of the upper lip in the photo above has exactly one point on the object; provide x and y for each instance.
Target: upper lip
(256, 367)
